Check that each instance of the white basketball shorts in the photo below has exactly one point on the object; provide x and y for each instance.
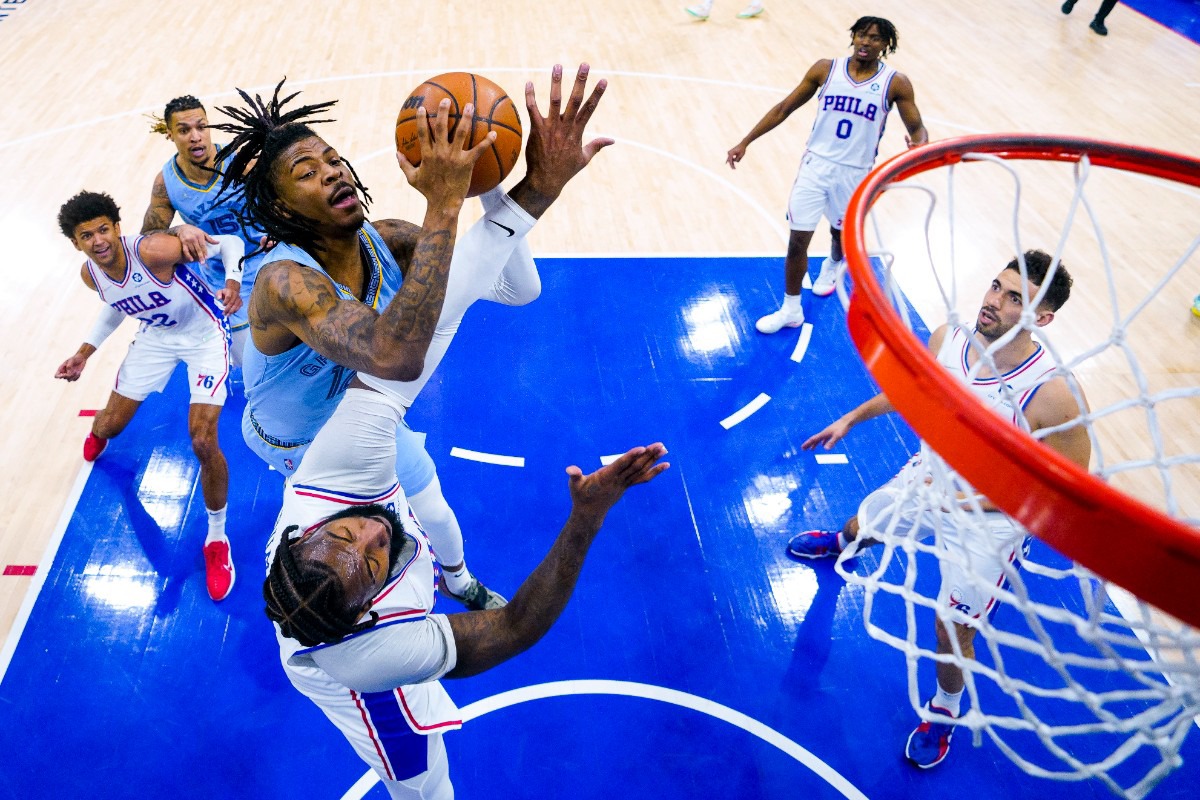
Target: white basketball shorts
(821, 187)
(152, 358)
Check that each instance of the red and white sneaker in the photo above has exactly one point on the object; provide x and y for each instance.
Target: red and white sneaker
(93, 446)
(218, 569)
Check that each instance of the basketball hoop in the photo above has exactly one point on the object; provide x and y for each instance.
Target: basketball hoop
(1087, 518)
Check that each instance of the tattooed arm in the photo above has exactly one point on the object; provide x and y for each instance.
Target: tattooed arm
(291, 301)
(158, 218)
(484, 639)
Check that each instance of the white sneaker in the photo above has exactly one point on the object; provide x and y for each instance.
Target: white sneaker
(700, 12)
(826, 282)
(772, 323)
(752, 10)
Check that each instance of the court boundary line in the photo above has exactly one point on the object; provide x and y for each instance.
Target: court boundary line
(43, 569)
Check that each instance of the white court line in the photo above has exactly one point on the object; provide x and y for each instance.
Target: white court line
(802, 346)
(487, 458)
(746, 410)
(832, 458)
(43, 569)
(647, 692)
(606, 460)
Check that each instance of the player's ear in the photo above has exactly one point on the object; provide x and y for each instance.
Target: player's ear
(1044, 317)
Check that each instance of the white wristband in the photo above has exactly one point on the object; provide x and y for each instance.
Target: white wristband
(231, 249)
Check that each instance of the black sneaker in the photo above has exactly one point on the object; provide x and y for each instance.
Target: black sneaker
(1098, 27)
(477, 597)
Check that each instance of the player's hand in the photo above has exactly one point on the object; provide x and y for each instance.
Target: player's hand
(194, 242)
(735, 155)
(828, 437)
(911, 144)
(593, 495)
(444, 175)
(230, 297)
(72, 368)
(555, 152)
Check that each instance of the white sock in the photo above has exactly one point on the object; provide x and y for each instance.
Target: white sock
(457, 582)
(947, 701)
(791, 303)
(216, 524)
(841, 539)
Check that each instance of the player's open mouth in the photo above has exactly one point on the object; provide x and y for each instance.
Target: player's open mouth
(987, 317)
(343, 196)
(862, 52)
(197, 152)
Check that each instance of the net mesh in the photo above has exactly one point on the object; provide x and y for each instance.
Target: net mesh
(1070, 676)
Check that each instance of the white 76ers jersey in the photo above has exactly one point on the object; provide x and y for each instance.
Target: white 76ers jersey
(851, 116)
(1008, 395)
(185, 307)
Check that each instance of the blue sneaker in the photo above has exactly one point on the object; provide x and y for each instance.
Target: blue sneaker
(814, 544)
(930, 742)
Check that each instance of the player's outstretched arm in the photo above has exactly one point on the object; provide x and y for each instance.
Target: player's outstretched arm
(905, 101)
(836, 431)
(809, 86)
(556, 152)
(158, 218)
(484, 639)
(105, 324)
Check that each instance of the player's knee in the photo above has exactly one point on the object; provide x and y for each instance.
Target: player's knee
(204, 443)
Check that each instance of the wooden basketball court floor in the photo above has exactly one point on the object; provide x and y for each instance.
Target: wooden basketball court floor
(681, 94)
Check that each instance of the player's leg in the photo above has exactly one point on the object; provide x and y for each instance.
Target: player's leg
(208, 368)
(108, 424)
(146, 369)
(418, 477)
(1097, 23)
(842, 182)
(880, 511)
(434, 783)
(806, 203)
(929, 743)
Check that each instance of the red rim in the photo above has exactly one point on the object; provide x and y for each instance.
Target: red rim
(1119, 538)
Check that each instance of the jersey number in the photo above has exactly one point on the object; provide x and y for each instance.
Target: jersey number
(843, 129)
(158, 321)
(341, 380)
(226, 223)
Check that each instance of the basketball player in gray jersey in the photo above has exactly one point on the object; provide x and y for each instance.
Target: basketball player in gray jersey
(855, 95)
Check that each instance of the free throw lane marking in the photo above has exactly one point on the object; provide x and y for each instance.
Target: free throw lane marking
(746, 410)
(487, 458)
(802, 345)
(832, 458)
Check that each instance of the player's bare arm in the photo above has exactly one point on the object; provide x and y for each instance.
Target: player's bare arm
(1054, 405)
(484, 639)
(904, 99)
(401, 238)
(162, 252)
(808, 87)
(158, 218)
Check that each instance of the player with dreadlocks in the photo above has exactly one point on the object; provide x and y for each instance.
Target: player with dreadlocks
(331, 299)
(188, 185)
(351, 592)
(855, 95)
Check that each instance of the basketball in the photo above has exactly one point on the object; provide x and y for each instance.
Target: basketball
(494, 111)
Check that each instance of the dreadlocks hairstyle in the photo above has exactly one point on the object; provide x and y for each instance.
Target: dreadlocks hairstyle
(307, 599)
(83, 207)
(183, 103)
(261, 132)
(886, 29)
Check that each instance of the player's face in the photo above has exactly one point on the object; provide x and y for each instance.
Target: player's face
(358, 549)
(191, 136)
(868, 44)
(99, 239)
(313, 181)
(1002, 305)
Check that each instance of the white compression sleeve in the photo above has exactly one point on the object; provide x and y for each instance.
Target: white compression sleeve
(105, 324)
(480, 255)
(231, 249)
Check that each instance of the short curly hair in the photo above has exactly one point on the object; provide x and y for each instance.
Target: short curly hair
(84, 207)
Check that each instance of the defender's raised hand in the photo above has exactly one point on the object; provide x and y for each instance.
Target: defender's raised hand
(556, 152)
(594, 494)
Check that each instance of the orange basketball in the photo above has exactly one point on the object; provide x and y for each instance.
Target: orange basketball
(494, 111)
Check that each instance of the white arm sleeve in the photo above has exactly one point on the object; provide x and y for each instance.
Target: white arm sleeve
(397, 655)
(106, 323)
(231, 249)
(356, 449)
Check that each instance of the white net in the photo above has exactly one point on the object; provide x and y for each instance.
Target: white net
(1070, 676)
